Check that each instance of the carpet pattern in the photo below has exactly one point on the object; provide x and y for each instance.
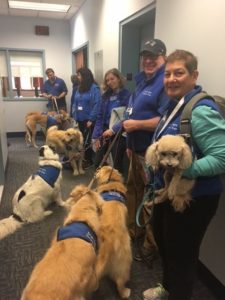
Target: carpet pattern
(20, 251)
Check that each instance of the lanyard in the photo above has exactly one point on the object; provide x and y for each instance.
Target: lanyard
(173, 113)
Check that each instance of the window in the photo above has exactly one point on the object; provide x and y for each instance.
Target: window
(21, 73)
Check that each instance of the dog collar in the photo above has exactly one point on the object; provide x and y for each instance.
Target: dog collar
(49, 174)
(113, 195)
(78, 230)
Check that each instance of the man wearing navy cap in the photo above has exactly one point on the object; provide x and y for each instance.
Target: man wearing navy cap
(146, 105)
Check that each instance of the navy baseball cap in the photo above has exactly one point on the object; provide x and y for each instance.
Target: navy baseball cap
(155, 47)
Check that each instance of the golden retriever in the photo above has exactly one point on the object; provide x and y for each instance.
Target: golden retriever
(67, 271)
(70, 143)
(174, 155)
(45, 120)
(114, 257)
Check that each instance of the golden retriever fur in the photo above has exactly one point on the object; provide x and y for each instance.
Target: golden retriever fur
(67, 271)
(114, 257)
(70, 143)
(32, 119)
(174, 155)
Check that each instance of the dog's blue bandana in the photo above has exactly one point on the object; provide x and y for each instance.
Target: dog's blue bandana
(48, 174)
(78, 230)
(113, 195)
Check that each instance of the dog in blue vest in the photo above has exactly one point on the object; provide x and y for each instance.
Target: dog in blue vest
(40, 190)
(115, 255)
(67, 271)
(45, 120)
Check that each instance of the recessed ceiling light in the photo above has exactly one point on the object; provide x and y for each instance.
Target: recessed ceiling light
(39, 6)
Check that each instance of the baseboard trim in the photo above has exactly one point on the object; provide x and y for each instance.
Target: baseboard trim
(21, 134)
(217, 288)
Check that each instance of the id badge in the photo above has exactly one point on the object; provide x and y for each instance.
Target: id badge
(80, 107)
(129, 110)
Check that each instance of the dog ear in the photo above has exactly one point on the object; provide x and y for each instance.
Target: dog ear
(151, 156)
(186, 159)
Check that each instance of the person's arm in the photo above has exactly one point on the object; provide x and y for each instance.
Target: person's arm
(133, 125)
(96, 100)
(208, 131)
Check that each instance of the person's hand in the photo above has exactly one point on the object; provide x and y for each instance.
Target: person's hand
(96, 144)
(89, 123)
(130, 125)
(129, 152)
(49, 96)
(108, 133)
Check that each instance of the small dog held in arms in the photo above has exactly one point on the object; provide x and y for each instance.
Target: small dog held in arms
(70, 143)
(114, 256)
(36, 194)
(45, 120)
(67, 271)
(172, 153)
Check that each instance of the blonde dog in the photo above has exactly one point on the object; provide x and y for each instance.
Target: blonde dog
(114, 257)
(174, 155)
(69, 143)
(67, 271)
(36, 194)
(45, 120)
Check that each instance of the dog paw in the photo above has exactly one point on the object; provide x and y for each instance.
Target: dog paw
(48, 212)
(179, 204)
(81, 172)
(75, 173)
(125, 293)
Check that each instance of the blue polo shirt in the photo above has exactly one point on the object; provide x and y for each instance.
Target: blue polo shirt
(148, 101)
(55, 89)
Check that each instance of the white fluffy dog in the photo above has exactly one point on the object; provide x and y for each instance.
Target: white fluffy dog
(36, 194)
(174, 155)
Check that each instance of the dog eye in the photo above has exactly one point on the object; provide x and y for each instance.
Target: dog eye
(163, 153)
(174, 154)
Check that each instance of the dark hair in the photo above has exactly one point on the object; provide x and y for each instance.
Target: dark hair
(190, 61)
(74, 79)
(87, 79)
(49, 70)
(116, 73)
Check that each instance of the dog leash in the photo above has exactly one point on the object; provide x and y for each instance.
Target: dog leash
(105, 157)
(55, 104)
(147, 202)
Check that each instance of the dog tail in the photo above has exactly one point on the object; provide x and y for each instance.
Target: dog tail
(9, 225)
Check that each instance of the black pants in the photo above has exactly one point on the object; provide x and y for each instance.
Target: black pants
(179, 236)
(87, 133)
(120, 160)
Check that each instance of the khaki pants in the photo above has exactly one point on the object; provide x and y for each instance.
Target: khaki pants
(136, 183)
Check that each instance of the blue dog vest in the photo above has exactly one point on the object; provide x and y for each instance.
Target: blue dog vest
(113, 195)
(48, 174)
(78, 230)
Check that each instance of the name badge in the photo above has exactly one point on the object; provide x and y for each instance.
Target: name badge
(129, 110)
(80, 108)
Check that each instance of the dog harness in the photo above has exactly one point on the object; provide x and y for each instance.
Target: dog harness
(78, 230)
(49, 174)
(113, 195)
(51, 121)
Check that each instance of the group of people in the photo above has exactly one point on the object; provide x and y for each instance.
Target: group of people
(163, 88)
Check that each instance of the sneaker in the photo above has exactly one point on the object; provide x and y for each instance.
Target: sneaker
(157, 293)
(144, 254)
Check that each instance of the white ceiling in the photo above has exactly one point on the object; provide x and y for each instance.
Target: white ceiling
(75, 5)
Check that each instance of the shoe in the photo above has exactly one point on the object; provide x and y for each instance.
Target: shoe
(157, 293)
(144, 254)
